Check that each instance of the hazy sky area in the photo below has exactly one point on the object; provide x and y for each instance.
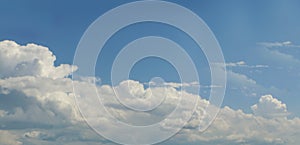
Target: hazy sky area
(260, 44)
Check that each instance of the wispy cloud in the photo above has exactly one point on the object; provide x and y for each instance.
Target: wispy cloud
(278, 44)
(243, 64)
(276, 53)
(181, 85)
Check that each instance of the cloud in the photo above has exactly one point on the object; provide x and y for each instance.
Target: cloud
(38, 107)
(236, 127)
(186, 86)
(284, 44)
(41, 110)
(231, 126)
(240, 83)
(179, 85)
(37, 101)
(244, 85)
(270, 107)
(243, 64)
(276, 57)
(31, 60)
(7, 138)
(240, 78)
(278, 44)
(275, 53)
(283, 57)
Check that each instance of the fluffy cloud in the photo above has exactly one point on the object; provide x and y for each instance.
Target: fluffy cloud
(37, 101)
(37, 106)
(237, 127)
(31, 59)
(270, 107)
(49, 106)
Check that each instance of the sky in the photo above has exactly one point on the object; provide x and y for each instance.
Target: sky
(260, 44)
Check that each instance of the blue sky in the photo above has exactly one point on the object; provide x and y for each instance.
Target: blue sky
(259, 39)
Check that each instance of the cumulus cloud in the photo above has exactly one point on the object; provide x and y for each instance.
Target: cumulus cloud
(31, 60)
(270, 107)
(38, 100)
(236, 127)
(231, 126)
(38, 107)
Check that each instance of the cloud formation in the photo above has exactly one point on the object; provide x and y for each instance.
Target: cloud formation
(8, 138)
(31, 59)
(270, 107)
(276, 44)
(243, 64)
(37, 106)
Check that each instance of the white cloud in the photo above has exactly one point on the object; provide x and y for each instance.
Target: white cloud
(243, 64)
(279, 58)
(31, 59)
(39, 108)
(232, 126)
(270, 107)
(239, 63)
(40, 100)
(243, 84)
(277, 44)
(236, 127)
(274, 52)
(179, 85)
(240, 78)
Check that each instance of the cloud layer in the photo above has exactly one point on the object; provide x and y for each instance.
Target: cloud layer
(37, 106)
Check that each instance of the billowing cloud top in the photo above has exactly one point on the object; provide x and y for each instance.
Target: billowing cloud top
(37, 107)
(270, 107)
(32, 60)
